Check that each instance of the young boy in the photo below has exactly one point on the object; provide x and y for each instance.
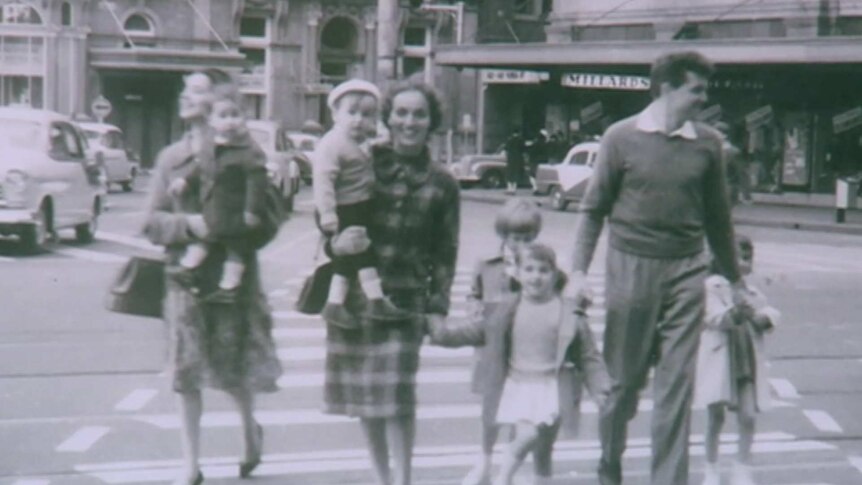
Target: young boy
(343, 178)
(517, 224)
(231, 186)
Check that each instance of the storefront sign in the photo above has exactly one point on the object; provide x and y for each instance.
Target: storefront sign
(710, 114)
(606, 81)
(759, 117)
(847, 120)
(591, 112)
(503, 76)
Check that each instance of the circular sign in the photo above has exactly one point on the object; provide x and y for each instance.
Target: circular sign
(101, 107)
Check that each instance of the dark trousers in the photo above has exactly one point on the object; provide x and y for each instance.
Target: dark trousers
(655, 309)
(358, 214)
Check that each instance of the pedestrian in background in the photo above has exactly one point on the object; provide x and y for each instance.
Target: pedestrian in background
(514, 148)
(540, 354)
(660, 181)
(537, 154)
(518, 223)
(415, 222)
(226, 347)
(732, 372)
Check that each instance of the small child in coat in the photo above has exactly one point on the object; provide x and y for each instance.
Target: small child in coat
(542, 353)
(232, 185)
(342, 186)
(518, 223)
(731, 366)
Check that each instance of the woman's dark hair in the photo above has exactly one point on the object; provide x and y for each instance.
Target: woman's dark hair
(672, 68)
(743, 243)
(435, 105)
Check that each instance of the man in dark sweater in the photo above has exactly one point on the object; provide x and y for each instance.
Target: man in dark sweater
(660, 183)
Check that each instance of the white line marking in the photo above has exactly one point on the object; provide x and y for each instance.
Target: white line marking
(4, 259)
(87, 255)
(318, 353)
(319, 332)
(280, 293)
(822, 421)
(856, 461)
(31, 481)
(83, 439)
(784, 388)
(136, 400)
(135, 242)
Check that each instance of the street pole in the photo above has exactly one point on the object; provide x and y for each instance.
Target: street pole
(388, 27)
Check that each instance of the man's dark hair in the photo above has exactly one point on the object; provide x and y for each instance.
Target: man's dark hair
(671, 69)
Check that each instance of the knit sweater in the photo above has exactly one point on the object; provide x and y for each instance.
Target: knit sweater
(660, 194)
(342, 174)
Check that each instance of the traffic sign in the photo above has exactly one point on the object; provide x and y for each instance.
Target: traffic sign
(101, 108)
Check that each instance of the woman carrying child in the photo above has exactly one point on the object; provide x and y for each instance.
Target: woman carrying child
(543, 353)
(731, 366)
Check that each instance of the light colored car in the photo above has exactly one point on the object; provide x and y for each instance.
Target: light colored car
(488, 170)
(567, 180)
(281, 164)
(47, 184)
(305, 144)
(108, 146)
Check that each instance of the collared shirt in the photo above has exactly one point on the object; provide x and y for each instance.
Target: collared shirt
(651, 120)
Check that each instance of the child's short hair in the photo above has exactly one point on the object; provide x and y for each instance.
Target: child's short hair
(545, 254)
(518, 215)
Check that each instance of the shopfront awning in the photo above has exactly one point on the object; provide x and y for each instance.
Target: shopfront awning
(151, 59)
(639, 54)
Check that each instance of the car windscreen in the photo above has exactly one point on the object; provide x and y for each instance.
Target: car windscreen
(20, 133)
(307, 145)
(261, 137)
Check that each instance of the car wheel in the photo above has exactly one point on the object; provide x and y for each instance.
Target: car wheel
(558, 199)
(129, 185)
(35, 237)
(288, 204)
(85, 233)
(492, 179)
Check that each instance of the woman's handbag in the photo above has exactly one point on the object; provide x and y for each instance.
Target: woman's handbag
(139, 288)
(315, 289)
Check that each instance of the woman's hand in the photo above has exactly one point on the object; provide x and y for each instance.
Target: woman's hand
(353, 240)
(197, 226)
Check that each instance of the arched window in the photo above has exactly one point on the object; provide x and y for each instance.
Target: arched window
(19, 13)
(339, 41)
(66, 14)
(139, 24)
(339, 34)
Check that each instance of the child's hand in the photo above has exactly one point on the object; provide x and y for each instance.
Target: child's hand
(329, 224)
(250, 219)
(433, 321)
(761, 322)
(177, 187)
(578, 289)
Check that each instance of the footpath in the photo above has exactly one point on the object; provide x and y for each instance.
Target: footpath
(805, 212)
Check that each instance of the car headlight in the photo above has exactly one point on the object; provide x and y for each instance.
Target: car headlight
(15, 188)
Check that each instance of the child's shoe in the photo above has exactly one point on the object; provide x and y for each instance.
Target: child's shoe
(382, 309)
(711, 474)
(339, 316)
(741, 474)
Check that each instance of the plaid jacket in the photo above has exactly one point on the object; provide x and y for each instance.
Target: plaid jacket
(415, 227)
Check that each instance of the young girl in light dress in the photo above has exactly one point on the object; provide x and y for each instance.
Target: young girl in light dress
(731, 366)
(543, 354)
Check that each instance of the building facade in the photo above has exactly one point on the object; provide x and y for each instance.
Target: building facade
(287, 55)
(787, 79)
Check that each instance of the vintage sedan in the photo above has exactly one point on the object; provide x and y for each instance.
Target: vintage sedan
(304, 143)
(46, 183)
(567, 180)
(109, 148)
(488, 170)
(281, 157)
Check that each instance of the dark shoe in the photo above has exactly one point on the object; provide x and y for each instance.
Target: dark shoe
(246, 467)
(385, 310)
(222, 295)
(339, 316)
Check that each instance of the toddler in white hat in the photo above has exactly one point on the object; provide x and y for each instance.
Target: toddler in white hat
(343, 178)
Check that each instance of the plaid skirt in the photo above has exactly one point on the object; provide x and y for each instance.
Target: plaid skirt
(371, 371)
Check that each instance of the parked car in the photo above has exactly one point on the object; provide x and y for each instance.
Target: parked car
(46, 183)
(305, 143)
(488, 170)
(281, 157)
(567, 180)
(107, 144)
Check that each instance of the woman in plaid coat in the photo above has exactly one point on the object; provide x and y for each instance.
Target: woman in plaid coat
(371, 371)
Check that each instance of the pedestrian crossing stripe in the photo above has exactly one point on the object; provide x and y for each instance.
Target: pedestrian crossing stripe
(431, 458)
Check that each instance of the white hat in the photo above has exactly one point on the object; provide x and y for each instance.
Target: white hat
(351, 86)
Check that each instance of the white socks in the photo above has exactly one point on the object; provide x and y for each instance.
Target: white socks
(337, 290)
(231, 275)
(370, 281)
(195, 255)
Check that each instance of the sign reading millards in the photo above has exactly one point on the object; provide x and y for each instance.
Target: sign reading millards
(606, 81)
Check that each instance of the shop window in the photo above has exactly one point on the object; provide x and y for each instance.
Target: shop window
(20, 13)
(66, 14)
(255, 27)
(21, 90)
(614, 32)
(736, 29)
(848, 26)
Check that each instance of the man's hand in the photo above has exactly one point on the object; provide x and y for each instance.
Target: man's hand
(578, 290)
(250, 219)
(177, 187)
(433, 322)
(197, 226)
(353, 240)
(329, 224)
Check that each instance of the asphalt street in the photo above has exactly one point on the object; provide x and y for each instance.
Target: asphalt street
(83, 399)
